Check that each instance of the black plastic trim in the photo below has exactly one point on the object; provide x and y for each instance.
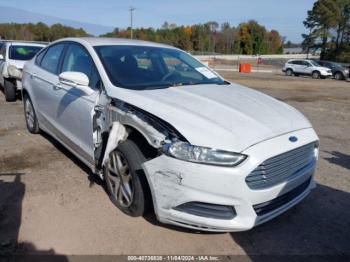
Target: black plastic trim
(270, 206)
(208, 210)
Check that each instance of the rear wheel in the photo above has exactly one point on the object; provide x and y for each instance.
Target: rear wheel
(339, 76)
(10, 91)
(289, 72)
(123, 176)
(30, 116)
(316, 75)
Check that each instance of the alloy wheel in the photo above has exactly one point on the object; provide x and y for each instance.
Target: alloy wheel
(119, 179)
(29, 114)
(316, 75)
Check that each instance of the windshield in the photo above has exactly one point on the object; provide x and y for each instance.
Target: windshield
(314, 63)
(143, 67)
(21, 52)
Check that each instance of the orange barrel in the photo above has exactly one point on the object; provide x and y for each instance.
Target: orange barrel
(245, 68)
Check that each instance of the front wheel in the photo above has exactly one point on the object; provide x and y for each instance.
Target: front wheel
(9, 90)
(30, 116)
(124, 179)
(316, 75)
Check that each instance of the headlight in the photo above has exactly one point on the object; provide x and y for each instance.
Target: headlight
(204, 155)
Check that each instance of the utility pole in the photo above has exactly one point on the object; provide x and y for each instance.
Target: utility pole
(131, 9)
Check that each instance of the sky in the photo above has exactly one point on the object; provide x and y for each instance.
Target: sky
(286, 16)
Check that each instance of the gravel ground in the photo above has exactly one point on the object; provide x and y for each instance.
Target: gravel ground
(50, 203)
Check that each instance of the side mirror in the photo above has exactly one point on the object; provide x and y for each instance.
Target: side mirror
(77, 80)
(1, 57)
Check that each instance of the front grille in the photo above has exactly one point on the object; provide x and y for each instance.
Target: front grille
(269, 206)
(282, 167)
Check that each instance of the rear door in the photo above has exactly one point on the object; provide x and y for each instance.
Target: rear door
(74, 109)
(298, 66)
(44, 81)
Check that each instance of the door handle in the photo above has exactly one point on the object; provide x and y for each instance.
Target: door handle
(57, 87)
(32, 75)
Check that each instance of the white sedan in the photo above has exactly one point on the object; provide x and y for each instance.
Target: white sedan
(165, 131)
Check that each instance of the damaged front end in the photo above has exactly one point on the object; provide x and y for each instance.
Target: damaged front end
(181, 193)
(115, 121)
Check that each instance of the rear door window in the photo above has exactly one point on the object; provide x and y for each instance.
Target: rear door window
(40, 56)
(50, 61)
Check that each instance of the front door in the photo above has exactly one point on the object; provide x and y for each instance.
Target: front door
(74, 109)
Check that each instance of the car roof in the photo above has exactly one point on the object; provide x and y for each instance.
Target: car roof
(103, 41)
(25, 44)
(329, 62)
(301, 59)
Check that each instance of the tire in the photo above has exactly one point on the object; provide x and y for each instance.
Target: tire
(339, 76)
(316, 75)
(30, 116)
(131, 196)
(10, 91)
(289, 72)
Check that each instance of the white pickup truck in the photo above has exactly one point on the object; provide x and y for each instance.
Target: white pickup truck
(13, 56)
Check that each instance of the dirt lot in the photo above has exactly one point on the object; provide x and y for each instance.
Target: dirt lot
(50, 204)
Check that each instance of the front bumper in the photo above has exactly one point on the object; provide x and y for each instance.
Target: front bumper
(174, 182)
(326, 74)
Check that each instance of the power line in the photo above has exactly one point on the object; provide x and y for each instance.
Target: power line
(131, 10)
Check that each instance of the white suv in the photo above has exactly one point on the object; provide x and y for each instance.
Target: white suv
(13, 56)
(306, 67)
(161, 128)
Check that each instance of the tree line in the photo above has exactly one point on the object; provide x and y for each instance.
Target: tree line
(329, 29)
(247, 38)
(38, 32)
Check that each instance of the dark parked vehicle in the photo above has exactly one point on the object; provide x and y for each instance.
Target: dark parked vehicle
(339, 72)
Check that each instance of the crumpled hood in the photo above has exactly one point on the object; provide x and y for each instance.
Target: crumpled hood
(228, 117)
(17, 63)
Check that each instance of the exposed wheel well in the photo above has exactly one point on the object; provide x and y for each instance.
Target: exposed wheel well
(148, 151)
(12, 80)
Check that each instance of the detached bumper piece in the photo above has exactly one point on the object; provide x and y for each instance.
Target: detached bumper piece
(207, 210)
(270, 206)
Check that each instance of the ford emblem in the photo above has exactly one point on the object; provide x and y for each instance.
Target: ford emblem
(293, 139)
